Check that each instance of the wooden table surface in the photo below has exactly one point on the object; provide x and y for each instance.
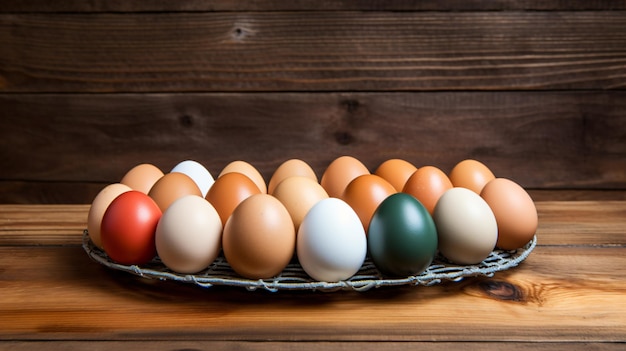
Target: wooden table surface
(569, 294)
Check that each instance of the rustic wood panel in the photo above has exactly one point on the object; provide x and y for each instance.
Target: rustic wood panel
(307, 346)
(557, 294)
(543, 140)
(301, 5)
(312, 51)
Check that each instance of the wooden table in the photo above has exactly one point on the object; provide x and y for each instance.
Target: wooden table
(569, 294)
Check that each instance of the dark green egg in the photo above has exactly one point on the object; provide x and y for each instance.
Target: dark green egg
(402, 237)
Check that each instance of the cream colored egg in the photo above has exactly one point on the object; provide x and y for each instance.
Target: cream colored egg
(188, 236)
(466, 226)
(299, 194)
(99, 205)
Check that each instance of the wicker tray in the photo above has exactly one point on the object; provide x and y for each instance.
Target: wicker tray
(293, 276)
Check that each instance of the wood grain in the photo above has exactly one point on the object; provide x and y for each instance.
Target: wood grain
(307, 346)
(557, 294)
(312, 51)
(542, 140)
(301, 5)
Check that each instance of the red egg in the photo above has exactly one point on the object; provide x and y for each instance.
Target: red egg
(128, 228)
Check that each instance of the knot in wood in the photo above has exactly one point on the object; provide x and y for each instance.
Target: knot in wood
(501, 290)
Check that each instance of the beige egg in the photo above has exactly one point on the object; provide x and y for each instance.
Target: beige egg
(290, 168)
(259, 237)
(248, 170)
(142, 177)
(189, 235)
(171, 187)
(299, 194)
(99, 205)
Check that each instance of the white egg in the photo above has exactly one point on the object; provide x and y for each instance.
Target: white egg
(189, 235)
(197, 172)
(466, 226)
(331, 242)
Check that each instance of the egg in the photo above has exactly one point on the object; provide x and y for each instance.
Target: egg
(128, 228)
(427, 184)
(466, 226)
(396, 172)
(171, 187)
(299, 194)
(514, 210)
(339, 173)
(248, 170)
(365, 193)
(402, 237)
(189, 235)
(229, 191)
(99, 206)
(290, 168)
(197, 172)
(331, 243)
(471, 174)
(259, 238)
(142, 177)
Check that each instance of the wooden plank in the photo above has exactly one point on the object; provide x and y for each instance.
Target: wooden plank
(301, 5)
(560, 223)
(307, 346)
(564, 294)
(312, 51)
(542, 140)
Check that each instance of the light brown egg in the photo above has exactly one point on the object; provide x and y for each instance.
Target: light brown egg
(228, 191)
(427, 184)
(514, 210)
(365, 193)
(396, 172)
(248, 170)
(290, 168)
(99, 206)
(340, 173)
(142, 177)
(471, 174)
(299, 194)
(259, 237)
(171, 187)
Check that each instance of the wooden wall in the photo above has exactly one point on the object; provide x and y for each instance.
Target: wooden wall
(534, 89)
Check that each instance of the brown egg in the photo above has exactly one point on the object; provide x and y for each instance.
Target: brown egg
(427, 184)
(396, 172)
(471, 174)
(228, 191)
(259, 237)
(299, 194)
(290, 168)
(248, 170)
(365, 193)
(98, 207)
(171, 187)
(340, 173)
(515, 212)
(142, 177)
